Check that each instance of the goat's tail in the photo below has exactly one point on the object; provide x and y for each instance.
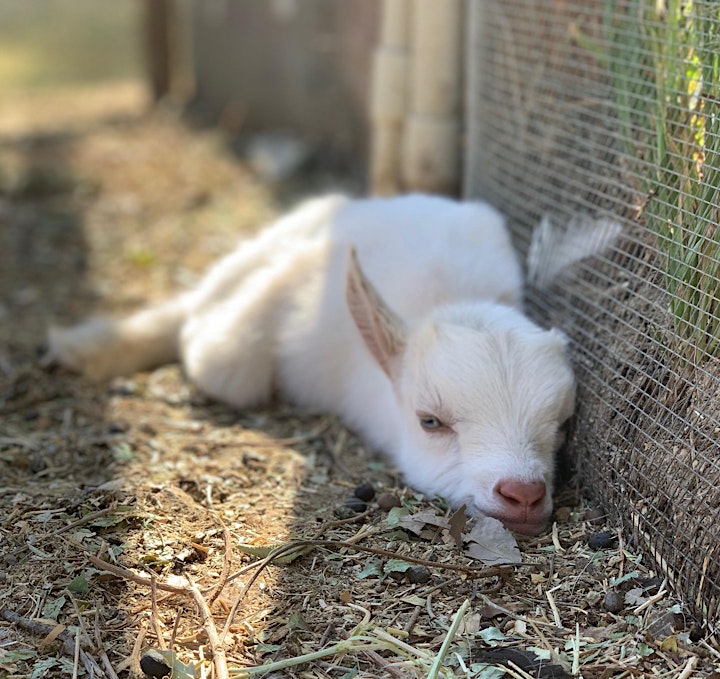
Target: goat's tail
(102, 347)
(557, 246)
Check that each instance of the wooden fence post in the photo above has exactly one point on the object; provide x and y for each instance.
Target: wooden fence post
(157, 17)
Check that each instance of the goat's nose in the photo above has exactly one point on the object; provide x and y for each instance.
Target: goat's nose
(518, 494)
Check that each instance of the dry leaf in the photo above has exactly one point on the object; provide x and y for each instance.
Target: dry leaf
(457, 525)
(417, 522)
(490, 542)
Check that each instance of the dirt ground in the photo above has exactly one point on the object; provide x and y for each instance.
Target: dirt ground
(140, 515)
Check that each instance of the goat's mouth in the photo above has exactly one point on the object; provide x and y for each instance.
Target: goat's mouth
(527, 529)
(530, 527)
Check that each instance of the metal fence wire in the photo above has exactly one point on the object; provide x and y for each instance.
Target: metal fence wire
(599, 112)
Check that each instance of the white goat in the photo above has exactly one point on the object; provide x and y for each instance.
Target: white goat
(433, 362)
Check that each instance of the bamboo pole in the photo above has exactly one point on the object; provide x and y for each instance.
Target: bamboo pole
(388, 97)
(430, 159)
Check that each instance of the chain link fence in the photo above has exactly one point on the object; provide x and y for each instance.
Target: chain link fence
(608, 112)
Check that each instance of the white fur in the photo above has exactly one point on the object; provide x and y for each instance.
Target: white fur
(431, 324)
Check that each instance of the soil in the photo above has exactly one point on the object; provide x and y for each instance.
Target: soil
(140, 515)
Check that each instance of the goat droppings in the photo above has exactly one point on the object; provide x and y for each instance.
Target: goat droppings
(386, 501)
(356, 504)
(364, 492)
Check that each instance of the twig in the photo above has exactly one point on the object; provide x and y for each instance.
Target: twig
(227, 556)
(57, 630)
(548, 646)
(653, 599)
(69, 642)
(18, 441)
(383, 664)
(134, 660)
(155, 617)
(76, 654)
(101, 650)
(470, 571)
(176, 624)
(576, 651)
(192, 590)
(488, 572)
(445, 583)
(556, 538)
(516, 672)
(413, 619)
(335, 523)
(554, 609)
(214, 640)
(709, 648)
(689, 668)
(326, 634)
(80, 631)
(127, 574)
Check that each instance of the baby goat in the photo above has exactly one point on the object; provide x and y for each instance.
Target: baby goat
(403, 316)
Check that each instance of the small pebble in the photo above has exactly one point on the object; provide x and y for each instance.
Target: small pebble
(364, 492)
(343, 512)
(386, 501)
(603, 540)
(613, 602)
(356, 504)
(154, 665)
(418, 575)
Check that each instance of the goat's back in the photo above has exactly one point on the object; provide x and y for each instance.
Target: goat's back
(419, 252)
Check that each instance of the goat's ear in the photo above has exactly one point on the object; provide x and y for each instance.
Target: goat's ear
(383, 331)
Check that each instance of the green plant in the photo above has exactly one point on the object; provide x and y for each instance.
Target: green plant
(663, 60)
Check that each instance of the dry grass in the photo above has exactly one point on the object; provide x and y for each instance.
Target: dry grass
(140, 515)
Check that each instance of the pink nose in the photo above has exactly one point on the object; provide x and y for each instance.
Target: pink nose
(521, 499)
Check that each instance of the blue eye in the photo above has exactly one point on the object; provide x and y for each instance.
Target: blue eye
(430, 423)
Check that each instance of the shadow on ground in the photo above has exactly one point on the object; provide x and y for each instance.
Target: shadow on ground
(143, 473)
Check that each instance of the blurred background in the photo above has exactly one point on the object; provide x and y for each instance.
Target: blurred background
(138, 138)
(89, 52)
(56, 42)
(334, 94)
(250, 67)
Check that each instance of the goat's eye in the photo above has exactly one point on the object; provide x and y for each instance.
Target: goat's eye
(430, 423)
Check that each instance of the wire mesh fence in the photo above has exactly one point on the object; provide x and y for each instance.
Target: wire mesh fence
(599, 112)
